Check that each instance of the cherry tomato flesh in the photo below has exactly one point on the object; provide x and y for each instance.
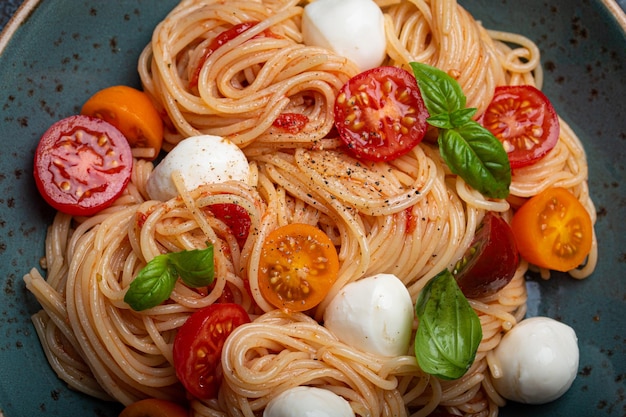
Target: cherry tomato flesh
(298, 265)
(218, 41)
(380, 114)
(235, 217)
(154, 407)
(523, 119)
(490, 262)
(198, 346)
(553, 230)
(82, 164)
(291, 122)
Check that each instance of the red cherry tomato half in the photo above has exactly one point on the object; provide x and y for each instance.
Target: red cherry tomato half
(198, 347)
(82, 164)
(490, 262)
(219, 40)
(235, 217)
(291, 122)
(523, 119)
(380, 114)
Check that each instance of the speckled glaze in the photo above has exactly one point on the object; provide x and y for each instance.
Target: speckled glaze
(64, 50)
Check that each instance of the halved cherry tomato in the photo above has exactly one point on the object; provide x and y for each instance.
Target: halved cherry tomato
(198, 346)
(235, 217)
(490, 262)
(553, 230)
(523, 119)
(380, 114)
(154, 407)
(219, 40)
(132, 112)
(291, 122)
(298, 265)
(82, 164)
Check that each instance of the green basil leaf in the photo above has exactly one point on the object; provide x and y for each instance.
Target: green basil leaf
(449, 330)
(152, 285)
(461, 117)
(473, 153)
(441, 93)
(195, 267)
(441, 121)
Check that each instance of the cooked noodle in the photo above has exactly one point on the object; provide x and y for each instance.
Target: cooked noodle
(100, 346)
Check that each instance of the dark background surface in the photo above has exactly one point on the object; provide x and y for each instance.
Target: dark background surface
(8, 7)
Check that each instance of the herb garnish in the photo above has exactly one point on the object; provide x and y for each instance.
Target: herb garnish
(470, 151)
(449, 330)
(156, 280)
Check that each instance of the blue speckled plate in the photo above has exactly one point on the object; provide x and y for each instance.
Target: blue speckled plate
(55, 54)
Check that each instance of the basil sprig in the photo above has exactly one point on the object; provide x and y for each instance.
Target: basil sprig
(470, 151)
(449, 330)
(155, 282)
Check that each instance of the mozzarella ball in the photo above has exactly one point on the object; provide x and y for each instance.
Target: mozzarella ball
(203, 159)
(354, 29)
(308, 402)
(538, 360)
(374, 314)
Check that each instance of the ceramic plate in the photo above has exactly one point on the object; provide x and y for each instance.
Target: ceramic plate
(55, 54)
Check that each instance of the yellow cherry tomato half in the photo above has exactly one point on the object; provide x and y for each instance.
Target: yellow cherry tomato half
(153, 407)
(553, 230)
(132, 112)
(298, 265)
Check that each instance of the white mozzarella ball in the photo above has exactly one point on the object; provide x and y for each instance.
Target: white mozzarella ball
(308, 402)
(354, 29)
(538, 360)
(203, 159)
(374, 314)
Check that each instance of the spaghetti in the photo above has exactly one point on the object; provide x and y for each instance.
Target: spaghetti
(99, 346)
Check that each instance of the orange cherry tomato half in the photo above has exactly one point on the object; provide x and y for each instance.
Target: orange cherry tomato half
(553, 230)
(298, 265)
(81, 165)
(153, 407)
(132, 112)
(198, 347)
(523, 119)
(380, 114)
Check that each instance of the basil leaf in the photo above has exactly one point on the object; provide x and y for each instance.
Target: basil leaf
(441, 93)
(451, 120)
(473, 153)
(461, 117)
(195, 267)
(469, 150)
(155, 282)
(441, 121)
(449, 330)
(152, 285)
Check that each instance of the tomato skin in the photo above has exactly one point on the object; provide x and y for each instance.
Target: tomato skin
(380, 114)
(154, 407)
(132, 112)
(219, 40)
(525, 121)
(297, 267)
(553, 230)
(235, 217)
(291, 122)
(81, 165)
(198, 346)
(491, 260)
